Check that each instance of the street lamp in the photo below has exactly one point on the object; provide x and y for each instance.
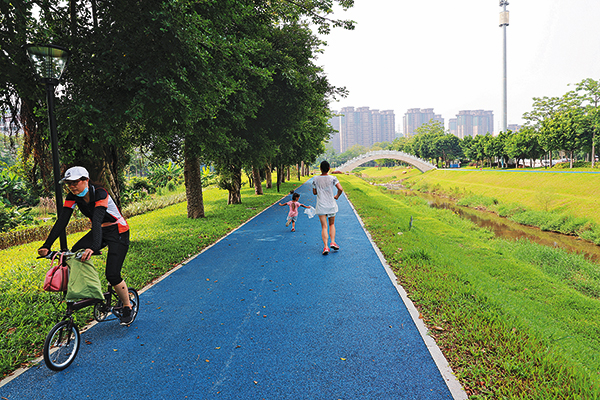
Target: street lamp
(503, 24)
(49, 63)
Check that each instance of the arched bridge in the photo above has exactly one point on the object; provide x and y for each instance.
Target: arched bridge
(421, 165)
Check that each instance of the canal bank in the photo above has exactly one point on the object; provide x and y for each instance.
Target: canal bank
(506, 229)
(560, 191)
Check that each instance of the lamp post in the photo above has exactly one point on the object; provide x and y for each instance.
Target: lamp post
(49, 63)
(503, 24)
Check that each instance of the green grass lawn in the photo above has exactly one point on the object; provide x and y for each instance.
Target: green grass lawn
(510, 317)
(160, 240)
(386, 174)
(574, 193)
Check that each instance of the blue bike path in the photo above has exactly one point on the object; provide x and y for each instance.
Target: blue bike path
(262, 314)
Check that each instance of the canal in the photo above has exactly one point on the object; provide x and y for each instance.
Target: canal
(507, 229)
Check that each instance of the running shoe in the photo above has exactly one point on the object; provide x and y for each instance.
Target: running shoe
(334, 246)
(126, 316)
(325, 251)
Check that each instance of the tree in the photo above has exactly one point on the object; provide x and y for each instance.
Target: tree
(523, 144)
(477, 150)
(591, 100)
(22, 99)
(545, 108)
(495, 146)
(449, 148)
(566, 130)
(425, 141)
(152, 74)
(466, 145)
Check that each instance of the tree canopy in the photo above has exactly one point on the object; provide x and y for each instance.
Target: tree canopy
(228, 82)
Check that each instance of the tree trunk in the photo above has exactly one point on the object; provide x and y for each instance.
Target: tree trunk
(257, 184)
(192, 174)
(298, 166)
(107, 176)
(571, 160)
(235, 195)
(279, 177)
(593, 148)
(268, 177)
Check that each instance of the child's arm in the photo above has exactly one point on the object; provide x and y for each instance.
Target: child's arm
(304, 206)
(283, 205)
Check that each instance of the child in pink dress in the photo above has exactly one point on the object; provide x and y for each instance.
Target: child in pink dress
(293, 214)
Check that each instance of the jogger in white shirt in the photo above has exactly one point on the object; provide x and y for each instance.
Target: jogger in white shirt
(324, 186)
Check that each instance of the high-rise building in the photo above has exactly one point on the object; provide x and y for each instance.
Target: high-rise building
(415, 117)
(452, 126)
(362, 126)
(474, 122)
(513, 127)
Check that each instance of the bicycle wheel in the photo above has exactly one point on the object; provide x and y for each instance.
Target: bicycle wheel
(61, 345)
(134, 299)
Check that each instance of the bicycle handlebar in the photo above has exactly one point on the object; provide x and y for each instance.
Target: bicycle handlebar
(66, 253)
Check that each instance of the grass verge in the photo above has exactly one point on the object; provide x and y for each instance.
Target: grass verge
(160, 240)
(558, 202)
(505, 314)
(576, 193)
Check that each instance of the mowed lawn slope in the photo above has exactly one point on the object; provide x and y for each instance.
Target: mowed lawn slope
(575, 193)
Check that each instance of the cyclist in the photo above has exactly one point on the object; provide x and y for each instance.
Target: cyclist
(109, 228)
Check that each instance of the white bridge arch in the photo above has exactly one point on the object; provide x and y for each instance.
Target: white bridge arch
(418, 163)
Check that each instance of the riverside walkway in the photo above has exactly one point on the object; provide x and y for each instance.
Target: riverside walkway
(261, 315)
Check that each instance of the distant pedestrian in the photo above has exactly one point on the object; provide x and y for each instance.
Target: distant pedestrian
(324, 187)
(294, 204)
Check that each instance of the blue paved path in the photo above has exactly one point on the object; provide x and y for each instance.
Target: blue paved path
(260, 315)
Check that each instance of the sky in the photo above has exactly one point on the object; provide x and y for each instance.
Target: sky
(447, 55)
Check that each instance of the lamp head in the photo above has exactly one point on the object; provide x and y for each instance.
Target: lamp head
(49, 61)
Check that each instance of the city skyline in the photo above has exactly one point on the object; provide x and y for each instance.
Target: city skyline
(448, 56)
(361, 126)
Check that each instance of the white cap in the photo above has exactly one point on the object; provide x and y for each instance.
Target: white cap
(75, 173)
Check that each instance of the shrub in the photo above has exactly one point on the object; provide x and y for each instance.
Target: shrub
(11, 217)
(14, 190)
(133, 196)
(137, 183)
(209, 177)
(32, 234)
(477, 201)
(160, 175)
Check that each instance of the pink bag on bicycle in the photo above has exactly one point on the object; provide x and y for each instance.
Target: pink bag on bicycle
(57, 277)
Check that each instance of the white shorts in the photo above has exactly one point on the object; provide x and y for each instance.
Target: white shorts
(328, 215)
